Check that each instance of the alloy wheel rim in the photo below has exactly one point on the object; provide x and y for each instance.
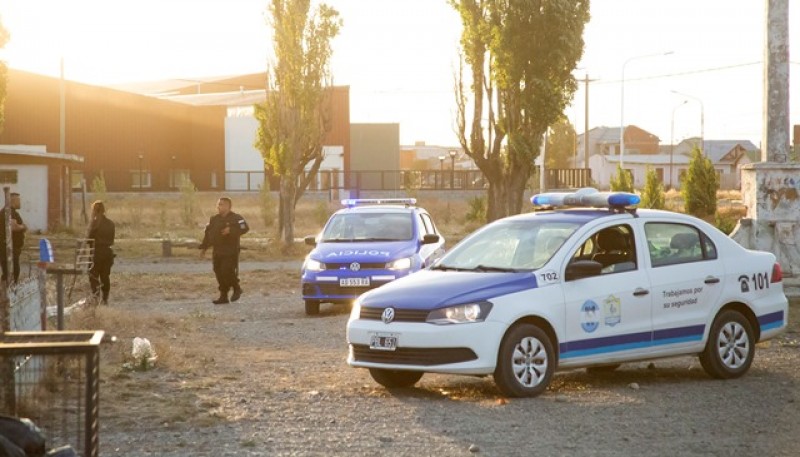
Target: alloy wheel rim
(529, 362)
(733, 345)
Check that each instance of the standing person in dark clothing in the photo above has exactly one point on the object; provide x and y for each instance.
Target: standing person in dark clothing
(222, 233)
(18, 230)
(101, 235)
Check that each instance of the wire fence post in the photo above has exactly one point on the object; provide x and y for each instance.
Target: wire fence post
(7, 363)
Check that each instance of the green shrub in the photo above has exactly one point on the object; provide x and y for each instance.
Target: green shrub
(653, 192)
(188, 202)
(321, 213)
(477, 210)
(621, 181)
(699, 187)
(98, 187)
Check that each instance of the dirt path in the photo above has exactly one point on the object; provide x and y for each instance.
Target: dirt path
(258, 378)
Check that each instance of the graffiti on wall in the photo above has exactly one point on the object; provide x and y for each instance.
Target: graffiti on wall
(782, 192)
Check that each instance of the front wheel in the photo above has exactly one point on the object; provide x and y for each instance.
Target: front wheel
(395, 378)
(312, 307)
(730, 348)
(525, 362)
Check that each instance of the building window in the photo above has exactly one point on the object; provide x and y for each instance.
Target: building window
(140, 179)
(8, 176)
(178, 178)
(76, 179)
(660, 174)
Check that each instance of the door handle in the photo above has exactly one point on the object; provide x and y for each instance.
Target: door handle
(711, 280)
(640, 292)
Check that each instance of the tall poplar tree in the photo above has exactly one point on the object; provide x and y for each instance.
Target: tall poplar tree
(296, 114)
(520, 55)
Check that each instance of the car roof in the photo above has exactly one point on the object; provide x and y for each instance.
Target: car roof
(379, 209)
(574, 215)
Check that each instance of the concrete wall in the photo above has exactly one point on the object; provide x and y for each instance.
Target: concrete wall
(771, 194)
(374, 147)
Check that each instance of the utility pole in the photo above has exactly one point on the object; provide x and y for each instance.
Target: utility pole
(586, 123)
(775, 136)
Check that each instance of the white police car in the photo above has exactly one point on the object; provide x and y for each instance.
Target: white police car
(567, 288)
(365, 245)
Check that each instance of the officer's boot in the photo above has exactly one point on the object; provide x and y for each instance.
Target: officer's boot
(223, 298)
(237, 292)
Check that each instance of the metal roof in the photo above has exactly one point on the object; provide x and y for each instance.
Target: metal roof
(36, 153)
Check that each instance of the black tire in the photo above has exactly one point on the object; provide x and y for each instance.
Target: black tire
(312, 307)
(395, 378)
(603, 369)
(525, 362)
(730, 348)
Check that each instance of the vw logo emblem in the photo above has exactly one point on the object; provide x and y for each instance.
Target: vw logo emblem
(355, 266)
(388, 315)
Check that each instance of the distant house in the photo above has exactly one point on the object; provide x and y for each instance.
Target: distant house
(41, 179)
(670, 169)
(726, 155)
(605, 141)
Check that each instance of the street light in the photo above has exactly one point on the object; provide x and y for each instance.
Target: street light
(140, 171)
(453, 154)
(672, 140)
(441, 170)
(622, 105)
(702, 120)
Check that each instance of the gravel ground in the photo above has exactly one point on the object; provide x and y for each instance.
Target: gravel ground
(258, 378)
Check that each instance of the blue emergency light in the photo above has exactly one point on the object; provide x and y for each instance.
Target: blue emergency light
(351, 202)
(586, 196)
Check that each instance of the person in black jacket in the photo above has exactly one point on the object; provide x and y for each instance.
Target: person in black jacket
(18, 230)
(222, 233)
(101, 236)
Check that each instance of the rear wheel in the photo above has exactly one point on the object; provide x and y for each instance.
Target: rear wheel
(730, 348)
(525, 362)
(395, 378)
(312, 307)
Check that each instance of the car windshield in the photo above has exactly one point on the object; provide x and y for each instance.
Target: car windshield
(508, 246)
(368, 226)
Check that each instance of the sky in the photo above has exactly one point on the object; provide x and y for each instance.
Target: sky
(399, 56)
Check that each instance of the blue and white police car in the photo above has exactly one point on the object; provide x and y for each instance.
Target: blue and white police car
(573, 287)
(365, 245)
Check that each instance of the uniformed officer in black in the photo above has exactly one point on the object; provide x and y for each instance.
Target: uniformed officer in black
(101, 233)
(222, 234)
(18, 230)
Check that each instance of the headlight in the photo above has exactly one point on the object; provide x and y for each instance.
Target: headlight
(399, 264)
(461, 314)
(313, 265)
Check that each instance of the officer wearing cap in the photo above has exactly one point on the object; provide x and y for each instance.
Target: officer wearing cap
(222, 234)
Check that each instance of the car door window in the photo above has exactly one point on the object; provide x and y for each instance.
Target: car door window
(429, 227)
(670, 244)
(613, 247)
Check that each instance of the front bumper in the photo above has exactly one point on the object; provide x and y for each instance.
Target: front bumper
(325, 286)
(454, 348)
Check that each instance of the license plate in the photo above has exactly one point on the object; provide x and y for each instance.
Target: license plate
(383, 341)
(354, 282)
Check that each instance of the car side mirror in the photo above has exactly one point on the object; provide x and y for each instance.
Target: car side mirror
(310, 240)
(582, 269)
(430, 238)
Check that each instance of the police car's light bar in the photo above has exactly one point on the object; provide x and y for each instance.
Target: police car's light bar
(586, 197)
(351, 202)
